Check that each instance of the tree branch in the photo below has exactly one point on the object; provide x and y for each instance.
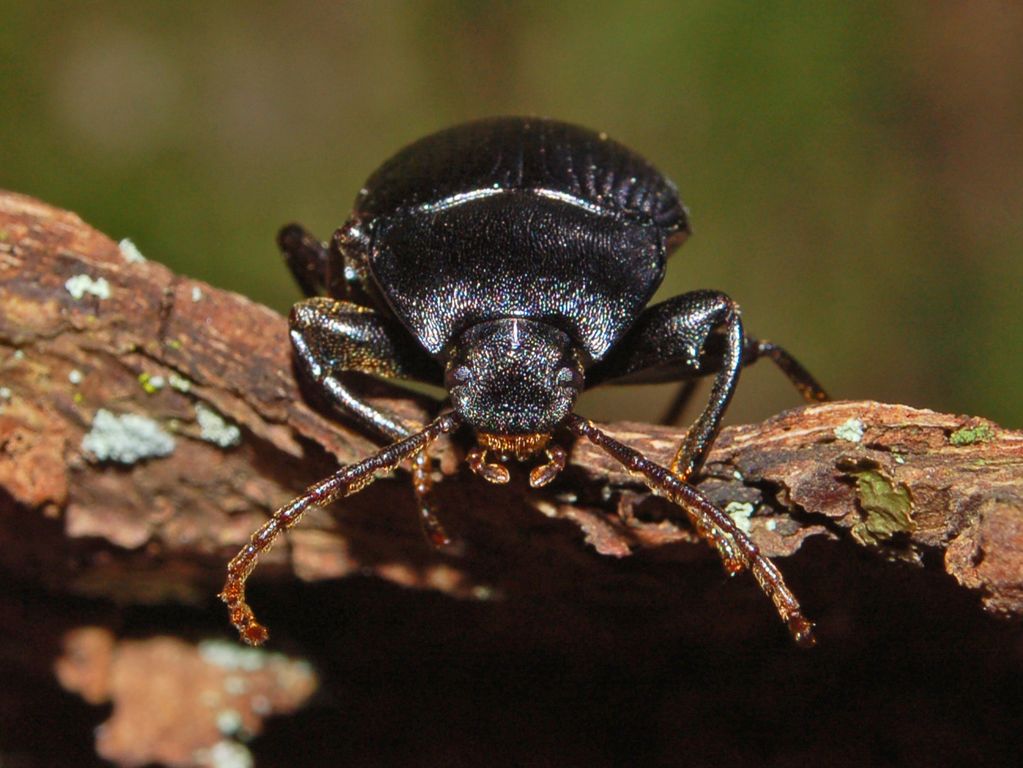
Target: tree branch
(85, 328)
(149, 422)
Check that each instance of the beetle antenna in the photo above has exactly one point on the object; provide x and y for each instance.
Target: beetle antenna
(348, 480)
(737, 550)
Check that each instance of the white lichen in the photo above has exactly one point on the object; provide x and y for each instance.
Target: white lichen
(851, 431)
(484, 592)
(5, 393)
(75, 376)
(224, 754)
(126, 439)
(79, 285)
(196, 293)
(215, 429)
(130, 252)
(740, 512)
(229, 721)
(180, 383)
(232, 656)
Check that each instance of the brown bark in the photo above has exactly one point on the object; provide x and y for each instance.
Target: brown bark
(894, 479)
(85, 329)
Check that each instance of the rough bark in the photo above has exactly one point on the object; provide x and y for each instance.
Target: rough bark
(226, 435)
(894, 479)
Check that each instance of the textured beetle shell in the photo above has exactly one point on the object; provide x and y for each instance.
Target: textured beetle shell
(518, 217)
(512, 153)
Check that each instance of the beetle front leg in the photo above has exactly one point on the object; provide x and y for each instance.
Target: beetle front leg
(737, 550)
(693, 335)
(345, 482)
(667, 343)
(332, 337)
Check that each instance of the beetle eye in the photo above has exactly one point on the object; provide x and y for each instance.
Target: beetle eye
(568, 377)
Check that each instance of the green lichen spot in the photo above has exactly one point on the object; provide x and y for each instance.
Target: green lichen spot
(174, 344)
(151, 384)
(982, 433)
(887, 507)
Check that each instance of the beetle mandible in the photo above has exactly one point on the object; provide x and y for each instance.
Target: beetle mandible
(509, 260)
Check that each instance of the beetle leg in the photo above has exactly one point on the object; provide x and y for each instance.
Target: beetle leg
(332, 337)
(320, 268)
(693, 335)
(667, 343)
(346, 481)
(678, 403)
(308, 259)
(801, 379)
(753, 350)
(736, 548)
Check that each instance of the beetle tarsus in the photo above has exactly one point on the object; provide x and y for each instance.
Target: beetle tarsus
(422, 484)
(801, 630)
(808, 386)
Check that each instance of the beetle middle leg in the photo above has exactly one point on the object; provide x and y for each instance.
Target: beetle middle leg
(332, 337)
(667, 343)
(753, 350)
(690, 336)
(320, 268)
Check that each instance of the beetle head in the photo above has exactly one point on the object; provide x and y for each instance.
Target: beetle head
(514, 377)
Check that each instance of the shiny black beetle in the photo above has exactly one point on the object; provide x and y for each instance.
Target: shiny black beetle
(510, 260)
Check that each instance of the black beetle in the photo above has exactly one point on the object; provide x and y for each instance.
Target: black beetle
(510, 260)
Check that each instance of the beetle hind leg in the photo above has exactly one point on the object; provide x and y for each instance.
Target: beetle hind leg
(801, 379)
(333, 337)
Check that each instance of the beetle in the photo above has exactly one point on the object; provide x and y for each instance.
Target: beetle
(510, 260)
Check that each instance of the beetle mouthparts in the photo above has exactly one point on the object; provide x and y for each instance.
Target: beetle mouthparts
(522, 446)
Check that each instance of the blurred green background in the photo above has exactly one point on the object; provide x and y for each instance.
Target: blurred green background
(854, 170)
